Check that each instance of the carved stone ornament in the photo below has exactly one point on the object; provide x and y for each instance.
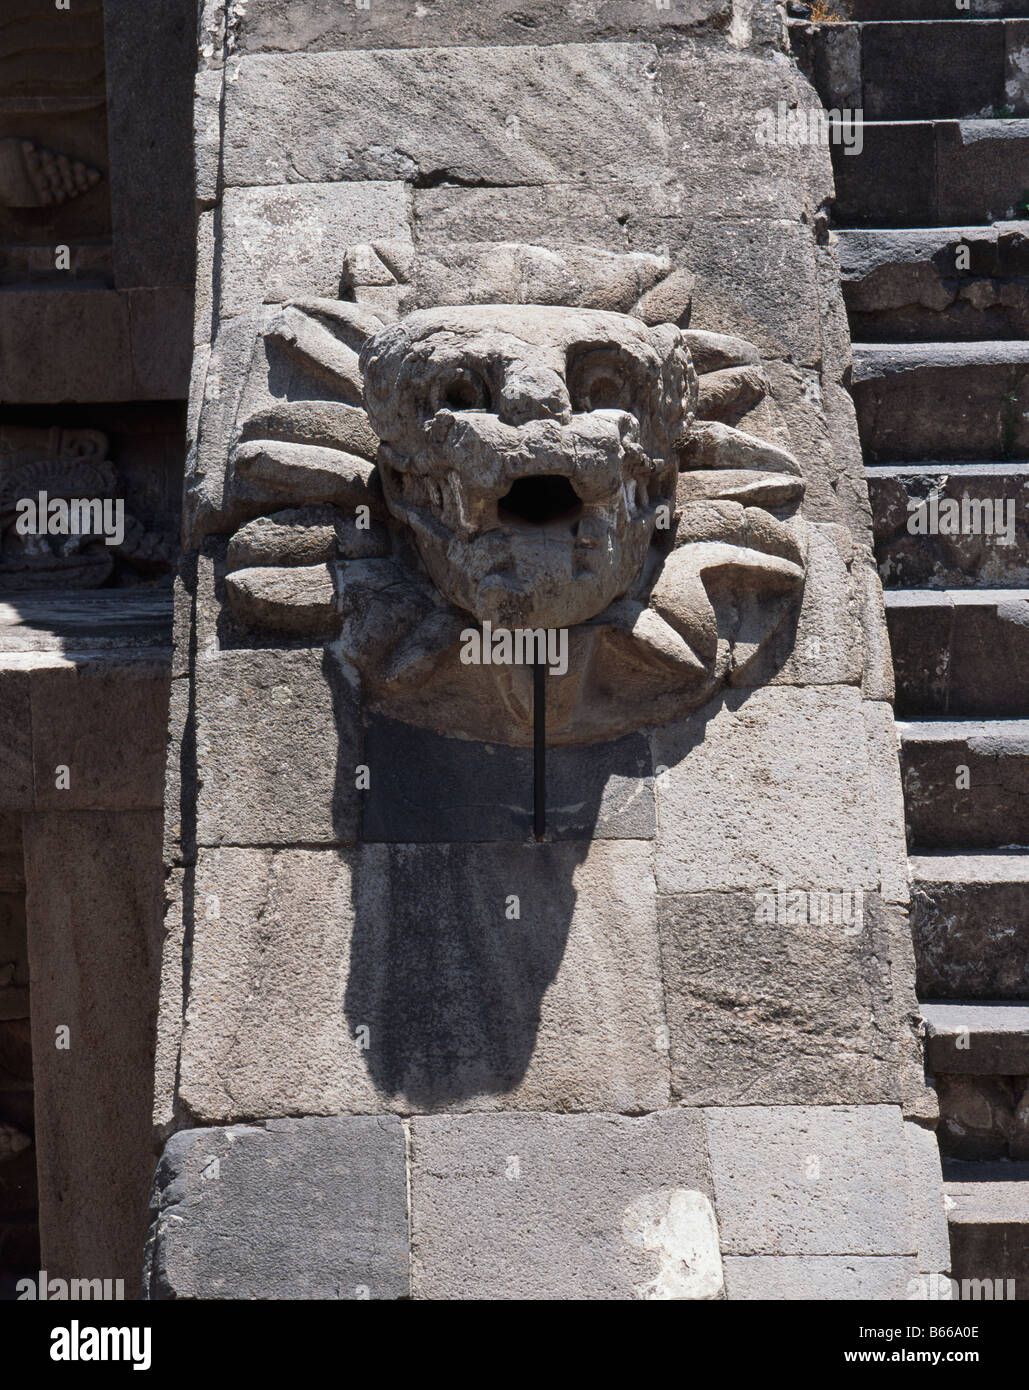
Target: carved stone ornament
(65, 465)
(530, 466)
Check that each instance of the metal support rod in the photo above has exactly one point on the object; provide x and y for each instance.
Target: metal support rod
(539, 749)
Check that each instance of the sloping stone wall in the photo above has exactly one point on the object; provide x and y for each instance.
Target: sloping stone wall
(694, 1000)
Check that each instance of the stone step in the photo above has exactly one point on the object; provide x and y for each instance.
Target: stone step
(930, 9)
(961, 401)
(977, 1038)
(988, 1218)
(960, 652)
(943, 525)
(912, 70)
(978, 1055)
(970, 924)
(904, 286)
(931, 173)
(966, 783)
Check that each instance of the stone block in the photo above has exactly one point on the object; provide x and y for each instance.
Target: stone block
(400, 976)
(781, 1011)
(977, 1039)
(763, 787)
(288, 242)
(264, 1028)
(867, 192)
(94, 930)
(799, 1180)
(41, 337)
(929, 1215)
(920, 626)
(311, 26)
(425, 788)
(548, 215)
(17, 778)
(964, 783)
(208, 92)
(714, 97)
(160, 328)
(562, 1207)
(820, 1278)
(824, 645)
(980, 170)
(487, 115)
(277, 749)
(887, 806)
(288, 1209)
(178, 924)
(970, 924)
(150, 70)
(755, 279)
(904, 79)
(106, 723)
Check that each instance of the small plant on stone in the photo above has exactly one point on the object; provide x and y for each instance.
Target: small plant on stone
(828, 11)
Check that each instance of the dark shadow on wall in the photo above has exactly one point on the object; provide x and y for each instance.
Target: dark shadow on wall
(461, 920)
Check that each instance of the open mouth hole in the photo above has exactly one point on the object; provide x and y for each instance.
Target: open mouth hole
(540, 500)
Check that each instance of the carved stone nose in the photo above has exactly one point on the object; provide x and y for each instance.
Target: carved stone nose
(533, 393)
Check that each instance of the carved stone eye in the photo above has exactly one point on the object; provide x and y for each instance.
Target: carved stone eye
(597, 380)
(464, 389)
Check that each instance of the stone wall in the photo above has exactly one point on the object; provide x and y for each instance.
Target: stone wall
(632, 1059)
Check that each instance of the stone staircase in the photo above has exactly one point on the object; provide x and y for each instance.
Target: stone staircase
(933, 222)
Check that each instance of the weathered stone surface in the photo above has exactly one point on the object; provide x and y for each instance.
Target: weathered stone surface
(796, 1180)
(79, 724)
(291, 1208)
(545, 215)
(298, 600)
(794, 809)
(149, 127)
(178, 921)
(820, 1278)
(980, 513)
(277, 749)
(979, 168)
(94, 928)
(867, 194)
(781, 1012)
(396, 977)
(988, 1230)
(963, 652)
(17, 779)
(496, 115)
(964, 782)
(51, 629)
(558, 1008)
(825, 645)
(583, 1207)
(903, 285)
(264, 1028)
(970, 924)
(713, 96)
(289, 241)
(960, 401)
(984, 1117)
(425, 788)
(977, 1039)
(887, 806)
(755, 278)
(928, 1208)
(311, 26)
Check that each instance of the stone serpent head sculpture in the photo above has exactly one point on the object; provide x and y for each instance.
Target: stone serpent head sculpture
(530, 466)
